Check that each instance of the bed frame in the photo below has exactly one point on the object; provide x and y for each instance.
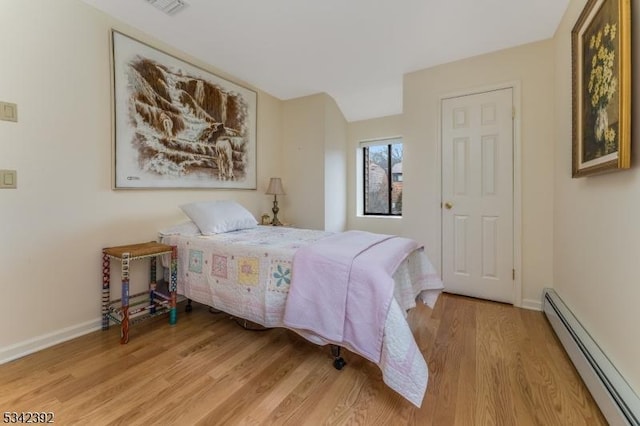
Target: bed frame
(338, 361)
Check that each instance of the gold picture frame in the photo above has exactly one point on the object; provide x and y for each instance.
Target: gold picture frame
(601, 84)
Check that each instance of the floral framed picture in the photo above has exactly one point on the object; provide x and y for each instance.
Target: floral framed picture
(177, 125)
(601, 83)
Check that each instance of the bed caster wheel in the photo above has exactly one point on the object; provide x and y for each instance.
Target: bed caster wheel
(339, 363)
(188, 308)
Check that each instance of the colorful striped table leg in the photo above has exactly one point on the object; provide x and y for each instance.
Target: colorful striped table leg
(124, 334)
(173, 286)
(152, 285)
(106, 294)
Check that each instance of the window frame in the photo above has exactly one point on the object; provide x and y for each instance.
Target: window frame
(364, 149)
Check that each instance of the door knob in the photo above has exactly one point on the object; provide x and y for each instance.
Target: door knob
(448, 205)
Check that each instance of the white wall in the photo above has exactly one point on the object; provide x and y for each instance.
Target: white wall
(531, 66)
(597, 237)
(55, 66)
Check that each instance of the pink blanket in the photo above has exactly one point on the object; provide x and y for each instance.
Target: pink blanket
(342, 286)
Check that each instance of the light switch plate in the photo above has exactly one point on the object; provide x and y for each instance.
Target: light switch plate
(8, 179)
(8, 111)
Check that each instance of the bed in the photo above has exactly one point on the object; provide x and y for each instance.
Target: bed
(249, 273)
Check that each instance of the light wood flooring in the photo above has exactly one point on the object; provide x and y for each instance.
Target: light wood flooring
(490, 364)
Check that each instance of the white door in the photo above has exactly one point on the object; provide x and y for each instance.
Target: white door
(477, 195)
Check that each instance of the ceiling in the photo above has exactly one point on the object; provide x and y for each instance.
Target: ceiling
(354, 50)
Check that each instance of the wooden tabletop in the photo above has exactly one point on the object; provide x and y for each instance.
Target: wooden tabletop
(138, 250)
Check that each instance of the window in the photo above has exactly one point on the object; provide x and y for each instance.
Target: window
(382, 177)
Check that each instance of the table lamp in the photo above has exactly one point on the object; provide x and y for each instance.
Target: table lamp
(275, 189)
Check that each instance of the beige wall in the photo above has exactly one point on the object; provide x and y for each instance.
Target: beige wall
(377, 128)
(597, 236)
(335, 167)
(314, 169)
(303, 165)
(579, 235)
(55, 66)
(531, 67)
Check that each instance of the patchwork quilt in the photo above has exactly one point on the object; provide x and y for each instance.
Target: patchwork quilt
(247, 274)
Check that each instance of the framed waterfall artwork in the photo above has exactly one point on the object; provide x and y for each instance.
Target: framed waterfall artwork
(601, 80)
(177, 125)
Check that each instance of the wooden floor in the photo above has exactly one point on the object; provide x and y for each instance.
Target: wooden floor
(490, 364)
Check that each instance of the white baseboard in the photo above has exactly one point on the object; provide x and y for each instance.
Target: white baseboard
(616, 399)
(532, 304)
(35, 344)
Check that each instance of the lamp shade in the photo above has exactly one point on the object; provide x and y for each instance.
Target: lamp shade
(275, 187)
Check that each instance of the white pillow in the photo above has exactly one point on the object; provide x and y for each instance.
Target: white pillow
(216, 217)
(186, 228)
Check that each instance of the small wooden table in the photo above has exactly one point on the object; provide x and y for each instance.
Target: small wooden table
(143, 305)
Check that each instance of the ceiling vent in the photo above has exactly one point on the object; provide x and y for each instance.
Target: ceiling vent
(170, 7)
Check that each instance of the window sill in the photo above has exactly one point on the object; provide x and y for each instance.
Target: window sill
(373, 216)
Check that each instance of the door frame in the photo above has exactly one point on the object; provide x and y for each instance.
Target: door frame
(517, 175)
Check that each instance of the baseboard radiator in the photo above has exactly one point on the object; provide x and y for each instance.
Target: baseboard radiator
(617, 401)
